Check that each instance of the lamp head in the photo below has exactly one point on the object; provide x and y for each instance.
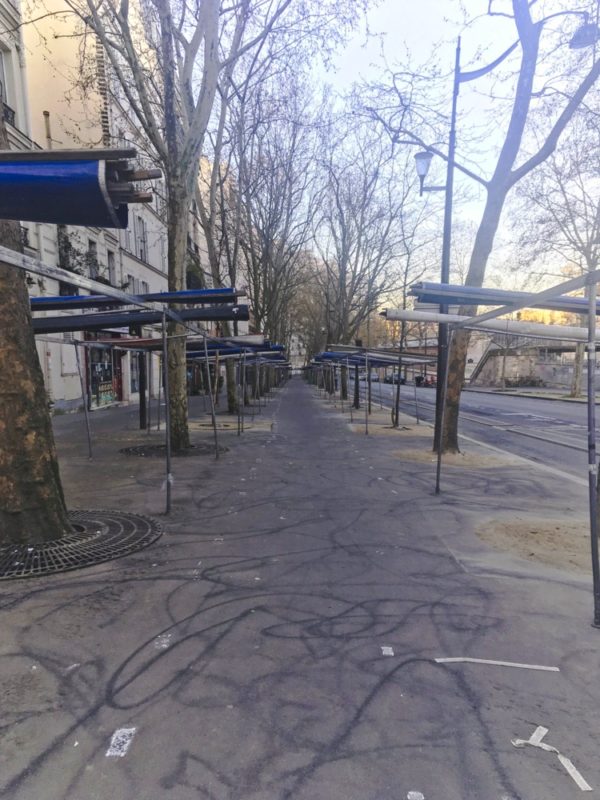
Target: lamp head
(422, 162)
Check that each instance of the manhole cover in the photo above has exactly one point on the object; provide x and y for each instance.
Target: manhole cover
(97, 536)
(160, 451)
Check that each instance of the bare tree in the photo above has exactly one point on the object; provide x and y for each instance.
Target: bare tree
(562, 200)
(275, 156)
(535, 77)
(168, 57)
(357, 233)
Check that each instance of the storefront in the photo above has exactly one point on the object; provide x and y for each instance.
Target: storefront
(104, 369)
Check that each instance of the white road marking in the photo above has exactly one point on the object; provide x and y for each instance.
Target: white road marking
(415, 796)
(120, 742)
(163, 641)
(387, 651)
(468, 660)
(535, 740)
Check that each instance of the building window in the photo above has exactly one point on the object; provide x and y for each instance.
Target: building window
(5, 88)
(112, 270)
(92, 256)
(141, 238)
(144, 288)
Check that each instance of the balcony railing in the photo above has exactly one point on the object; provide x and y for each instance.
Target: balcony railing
(8, 114)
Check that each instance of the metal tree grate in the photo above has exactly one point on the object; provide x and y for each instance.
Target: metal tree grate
(97, 536)
(160, 450)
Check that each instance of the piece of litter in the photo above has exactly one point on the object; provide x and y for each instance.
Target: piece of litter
(467, 660)
(76, 744)
(535, 740)
(120, 742)
(387, 651)
(281, 517)
(163, 641)
(34, 667)
(72, 667)
(256, 578)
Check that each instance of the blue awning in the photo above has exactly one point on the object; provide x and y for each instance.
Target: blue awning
(70, 192)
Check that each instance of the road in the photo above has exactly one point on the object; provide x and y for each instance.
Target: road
(550, 432)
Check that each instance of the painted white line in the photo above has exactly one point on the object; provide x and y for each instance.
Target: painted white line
(574, 773)
(387, 651)
(535, 740)
(120, 742)
(467, 660)
(163, 641)
(415, 796)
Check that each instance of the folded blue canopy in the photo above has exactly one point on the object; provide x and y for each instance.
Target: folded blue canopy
(64, 192)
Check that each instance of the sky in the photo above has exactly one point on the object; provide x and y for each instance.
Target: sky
(423, 27)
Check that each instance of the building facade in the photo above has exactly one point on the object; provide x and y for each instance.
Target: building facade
(51, 101)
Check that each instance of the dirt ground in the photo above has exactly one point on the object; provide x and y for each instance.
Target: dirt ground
(557, 542)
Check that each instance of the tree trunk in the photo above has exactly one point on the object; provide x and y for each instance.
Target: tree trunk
(344, 383)
(232, 401)
(503, 373)
(577, 369)
(457, 356)
(177, 371)
(32, 506)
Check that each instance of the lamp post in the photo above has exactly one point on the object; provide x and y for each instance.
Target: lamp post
(423, 160)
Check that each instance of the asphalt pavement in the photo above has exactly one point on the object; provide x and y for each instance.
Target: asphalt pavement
(280, 640)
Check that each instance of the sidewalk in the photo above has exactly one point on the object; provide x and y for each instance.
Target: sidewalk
(538, 392)
(279, 642)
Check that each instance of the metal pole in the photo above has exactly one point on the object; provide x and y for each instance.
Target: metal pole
(349, 403)
(84, 397)
(238, 384)
(438, 470)
(212, 400)
(397, 387)
(142, 380)
(167, 411)
(592, 460)
(243, 389)
(367, 404)
(442, 357)
(160, 383)
(416, 402)
(380, 391)
(150, 385)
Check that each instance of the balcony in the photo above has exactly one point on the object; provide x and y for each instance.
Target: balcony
(8, 114)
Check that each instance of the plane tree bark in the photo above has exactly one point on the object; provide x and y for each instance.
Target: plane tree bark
(32, 505)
